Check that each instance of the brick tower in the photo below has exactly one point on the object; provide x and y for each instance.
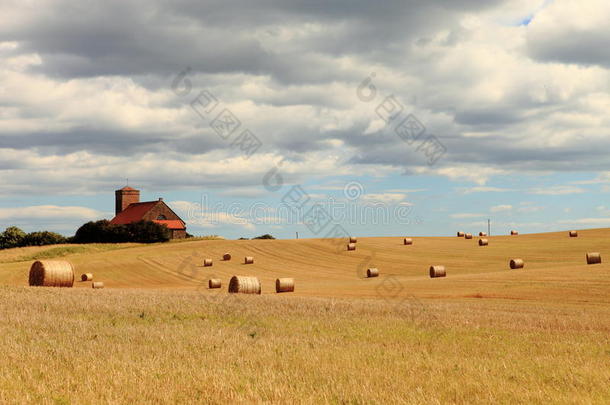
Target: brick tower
(124, 197)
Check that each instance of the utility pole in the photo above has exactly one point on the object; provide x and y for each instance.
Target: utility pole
(489, 226)
(297, 235)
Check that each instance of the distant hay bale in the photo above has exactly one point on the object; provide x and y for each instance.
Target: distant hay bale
(407, 241)
(517, 264)
(86, 277)
(244, 285)
(207, 262)
(353, 239)
(437, 271)
(226, 257)
(483, 242)
(51, 273)
(97, 284)
(372, 272)
(468, 236)
(514, 233)
(284, 285)
(248, 260)
(214, 283)
(460, 234)
(573, 234)
(351, 246)
(482, 233)
(594, 258)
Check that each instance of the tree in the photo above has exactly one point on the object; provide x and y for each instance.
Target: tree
(12, 237)
(43, 238)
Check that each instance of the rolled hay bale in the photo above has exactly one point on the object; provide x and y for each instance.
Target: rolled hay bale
(86, 277)
(483, 242)
(437, 271)
(407, 241)
(207, 262)
(226, 257)
(372, 272)
(353, 239)
(573, 234)
(214, 283)
(594, 258)
(460, 234)
(468, 236)
(284, 285)
(517, 264)
(97, 284)
(482, 233)
(244, 285)
(248, 260)
(351, 246)
(51, 273)
(514, 233)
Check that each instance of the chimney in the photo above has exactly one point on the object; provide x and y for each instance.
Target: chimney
(124, 197)
(160, 199)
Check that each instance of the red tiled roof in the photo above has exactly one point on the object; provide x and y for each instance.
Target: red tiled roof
(133, 213)
(171, 223)
(127, 188)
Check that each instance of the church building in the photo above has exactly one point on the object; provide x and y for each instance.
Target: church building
(129, 209)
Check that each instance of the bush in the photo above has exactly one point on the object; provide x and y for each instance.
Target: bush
(105, 232)
(148, 232)
(43, 238)
(265, 236)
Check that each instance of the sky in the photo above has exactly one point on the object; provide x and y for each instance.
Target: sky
(369, 118)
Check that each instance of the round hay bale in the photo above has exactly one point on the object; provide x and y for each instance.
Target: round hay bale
(594, 258)
(97, 284)
(460, 234)
(244, 285)
(407, 241)
(514, 233)
(284, 285)
(214, 283)
(437, 271)
(517, 264)
(248, 260)
(207, 262)
(353, 239)
(483, 242)
(573, 234)
(468, 236)
(86, 277)
(372, 272)
(51, 273)
(482, 233)
(226, 257)
(351, 246)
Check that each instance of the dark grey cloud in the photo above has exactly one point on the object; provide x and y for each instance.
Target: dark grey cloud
(290, 70)
(581, 48)
(141, 37)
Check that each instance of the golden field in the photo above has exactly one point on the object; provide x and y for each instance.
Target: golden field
(156, 334)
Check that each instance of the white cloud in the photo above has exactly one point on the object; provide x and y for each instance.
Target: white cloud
(600, 222)
(557, 190)
(467, 215)
(529, 209)
(50, 212)
(484, 189)
(501, 208)
(387, 198)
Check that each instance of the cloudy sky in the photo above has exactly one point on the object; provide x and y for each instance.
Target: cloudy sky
(401, 118)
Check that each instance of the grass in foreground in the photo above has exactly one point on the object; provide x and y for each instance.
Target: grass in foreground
(76, 346)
